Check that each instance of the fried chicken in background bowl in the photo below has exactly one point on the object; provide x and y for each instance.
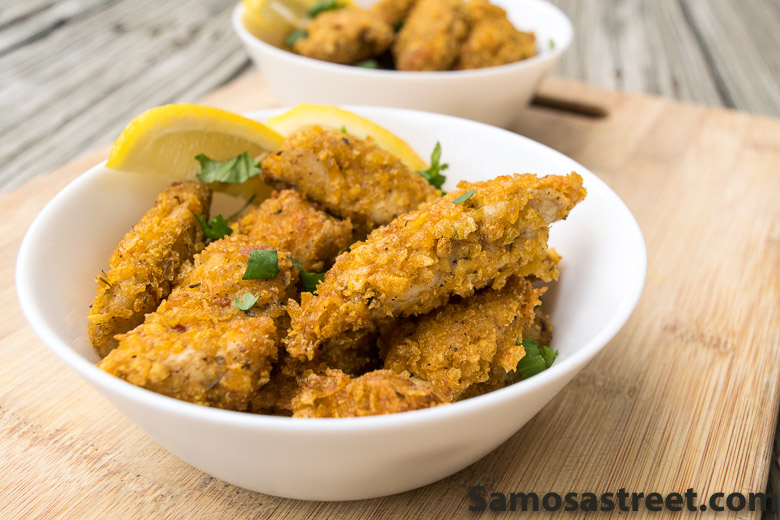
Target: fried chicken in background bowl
(602, 274)
(493, 94)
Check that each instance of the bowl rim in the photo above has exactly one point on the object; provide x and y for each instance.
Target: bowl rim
(250, 39)
(569, 365)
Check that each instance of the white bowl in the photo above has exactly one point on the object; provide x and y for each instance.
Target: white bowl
(492, 95)
(602, 274)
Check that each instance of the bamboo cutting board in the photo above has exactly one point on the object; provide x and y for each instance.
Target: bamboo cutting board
(686, 395)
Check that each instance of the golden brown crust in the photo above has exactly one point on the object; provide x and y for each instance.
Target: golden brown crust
(456, 346)
(493, 39)
(143, 268)
(335, 394)
(431, 36)
(198, 346)
(289, 222)
(421, 259)
(345, 36)
(393, 11)
(349, 176)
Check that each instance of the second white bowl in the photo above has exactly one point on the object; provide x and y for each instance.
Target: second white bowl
(492, 95)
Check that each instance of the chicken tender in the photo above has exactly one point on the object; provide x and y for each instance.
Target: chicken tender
(393, 11)
(493, 39)
(431, 36)
(289, 222)
(421, 259)
(353, 354)
(346, 36)
(198, 346)
(456, 346)
(335, 394)
(349, 176)
(143, 268)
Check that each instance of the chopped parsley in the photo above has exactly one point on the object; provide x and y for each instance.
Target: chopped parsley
(463, 198)
(343, 129)
(263, 264)
(215, 228)
(537, 359)
(551, 44)
(308, 280)
(325, 5)
(247, 301)
(294, 36)
(237, 170)
(367, 64)
(433, 173)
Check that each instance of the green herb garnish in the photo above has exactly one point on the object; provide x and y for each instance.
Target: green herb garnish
(215, 228)
(551, 44)
(343, 129)
(294, 37)
(463, 198)
(247, 301)
(308, 280)
(262, 265)
(367, 64)
(325, 5)
(537, 359)
(237, 170)
(433, 173)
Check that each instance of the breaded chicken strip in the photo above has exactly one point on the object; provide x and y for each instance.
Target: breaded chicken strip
(143, 268)
(349, 176)
(431, 36)
(198, 346)
(540, 331)
(335, 394)
(493, 39)
(346, 36)
(421, 259)
(289, 222)
(352, 353)
(456, 346)
(393, 11)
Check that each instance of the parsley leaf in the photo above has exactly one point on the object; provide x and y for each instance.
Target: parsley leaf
(367, 64)
(215, 228)
(433, 173)
(343, 129)
(537, 359)
(262, 265)
(237, 170)
(463, 198)
(294, 37)
(309, 280)
(247, 301)
(325, 5)
(551, 44)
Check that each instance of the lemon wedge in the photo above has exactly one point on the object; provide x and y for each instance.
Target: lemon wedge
(164, 141)
(273, 20)
(333, 118)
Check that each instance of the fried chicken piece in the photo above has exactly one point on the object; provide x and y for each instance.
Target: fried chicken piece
(493, 39)
(289, 222)
(421, 259)
(393, 11)
(351, 353)
(143, 268)
(349, 176)
(198, 346)
(431, 36)
(335, 394)
(346, 36)
(456, 346)
(540, 331)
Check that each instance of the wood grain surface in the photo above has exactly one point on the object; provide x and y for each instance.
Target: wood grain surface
(73, 73)
(685, 396)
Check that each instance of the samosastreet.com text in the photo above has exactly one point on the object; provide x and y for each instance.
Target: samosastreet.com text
(481, 500)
